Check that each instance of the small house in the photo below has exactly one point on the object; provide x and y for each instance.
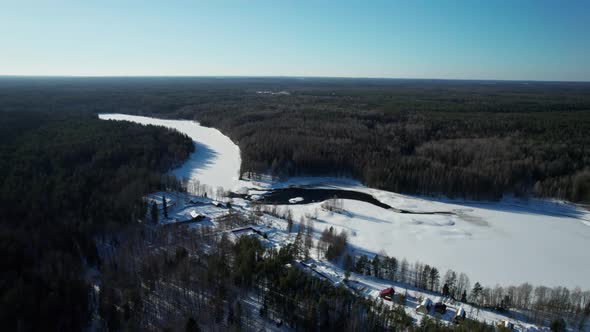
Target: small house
(196, 216)
(387, 293)
(424, 306)
(440, 308)
(506, 324)
(459, 315)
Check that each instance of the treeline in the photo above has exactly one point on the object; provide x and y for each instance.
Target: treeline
(541, 304)
(469, 154)
(66, 177)
(471, 139)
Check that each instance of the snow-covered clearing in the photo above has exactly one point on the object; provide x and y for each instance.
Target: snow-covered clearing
(508, 242)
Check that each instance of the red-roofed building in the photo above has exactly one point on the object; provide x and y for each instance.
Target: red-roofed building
(387, 293)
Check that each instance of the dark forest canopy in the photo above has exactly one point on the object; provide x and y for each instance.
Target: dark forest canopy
(475, 139)
(66, 176)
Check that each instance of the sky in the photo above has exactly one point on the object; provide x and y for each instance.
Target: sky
(488, 39)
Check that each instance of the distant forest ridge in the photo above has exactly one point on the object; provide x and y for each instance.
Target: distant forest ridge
(471, 139)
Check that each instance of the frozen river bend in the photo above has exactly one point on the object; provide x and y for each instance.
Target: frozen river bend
(508, 242)
(216, 160)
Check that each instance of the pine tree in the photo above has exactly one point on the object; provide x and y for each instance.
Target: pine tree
(348, 262)
(434, 278)
(361, 265)
(445, 290)
(558, 325)
(298, 249)
(154, 213)
(289, 221)
(308, 238)
(475, 292)
(164, 206)
(376, 266)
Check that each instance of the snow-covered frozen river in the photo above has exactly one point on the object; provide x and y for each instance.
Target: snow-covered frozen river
(508, 242)
(216, 160)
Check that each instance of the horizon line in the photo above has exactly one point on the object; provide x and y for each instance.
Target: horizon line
(293, 77)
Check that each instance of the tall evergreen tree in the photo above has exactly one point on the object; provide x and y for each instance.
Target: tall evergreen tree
(476, 292)
(433, 278)
(308, 243)
(154, 213)
(164, 206)
(376, 266)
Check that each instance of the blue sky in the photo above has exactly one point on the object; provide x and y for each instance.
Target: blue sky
(516, 39)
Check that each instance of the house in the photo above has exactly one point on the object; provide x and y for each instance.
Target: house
(387, 293)
(196, 216)
(440, 308)
(506, 324)
(459, 315)
(246, 231)
(424, 306)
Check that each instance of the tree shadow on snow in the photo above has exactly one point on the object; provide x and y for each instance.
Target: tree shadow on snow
(202, 158)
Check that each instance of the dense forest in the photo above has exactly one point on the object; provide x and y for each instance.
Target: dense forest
(475, 139)
(67, 177)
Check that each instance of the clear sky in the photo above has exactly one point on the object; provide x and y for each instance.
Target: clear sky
(487, 39)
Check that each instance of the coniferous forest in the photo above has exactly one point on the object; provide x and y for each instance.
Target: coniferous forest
(473, 139)
(67, 177)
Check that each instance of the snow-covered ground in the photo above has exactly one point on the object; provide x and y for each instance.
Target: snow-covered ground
(492, 243)
(276, 235)
(508, 242)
